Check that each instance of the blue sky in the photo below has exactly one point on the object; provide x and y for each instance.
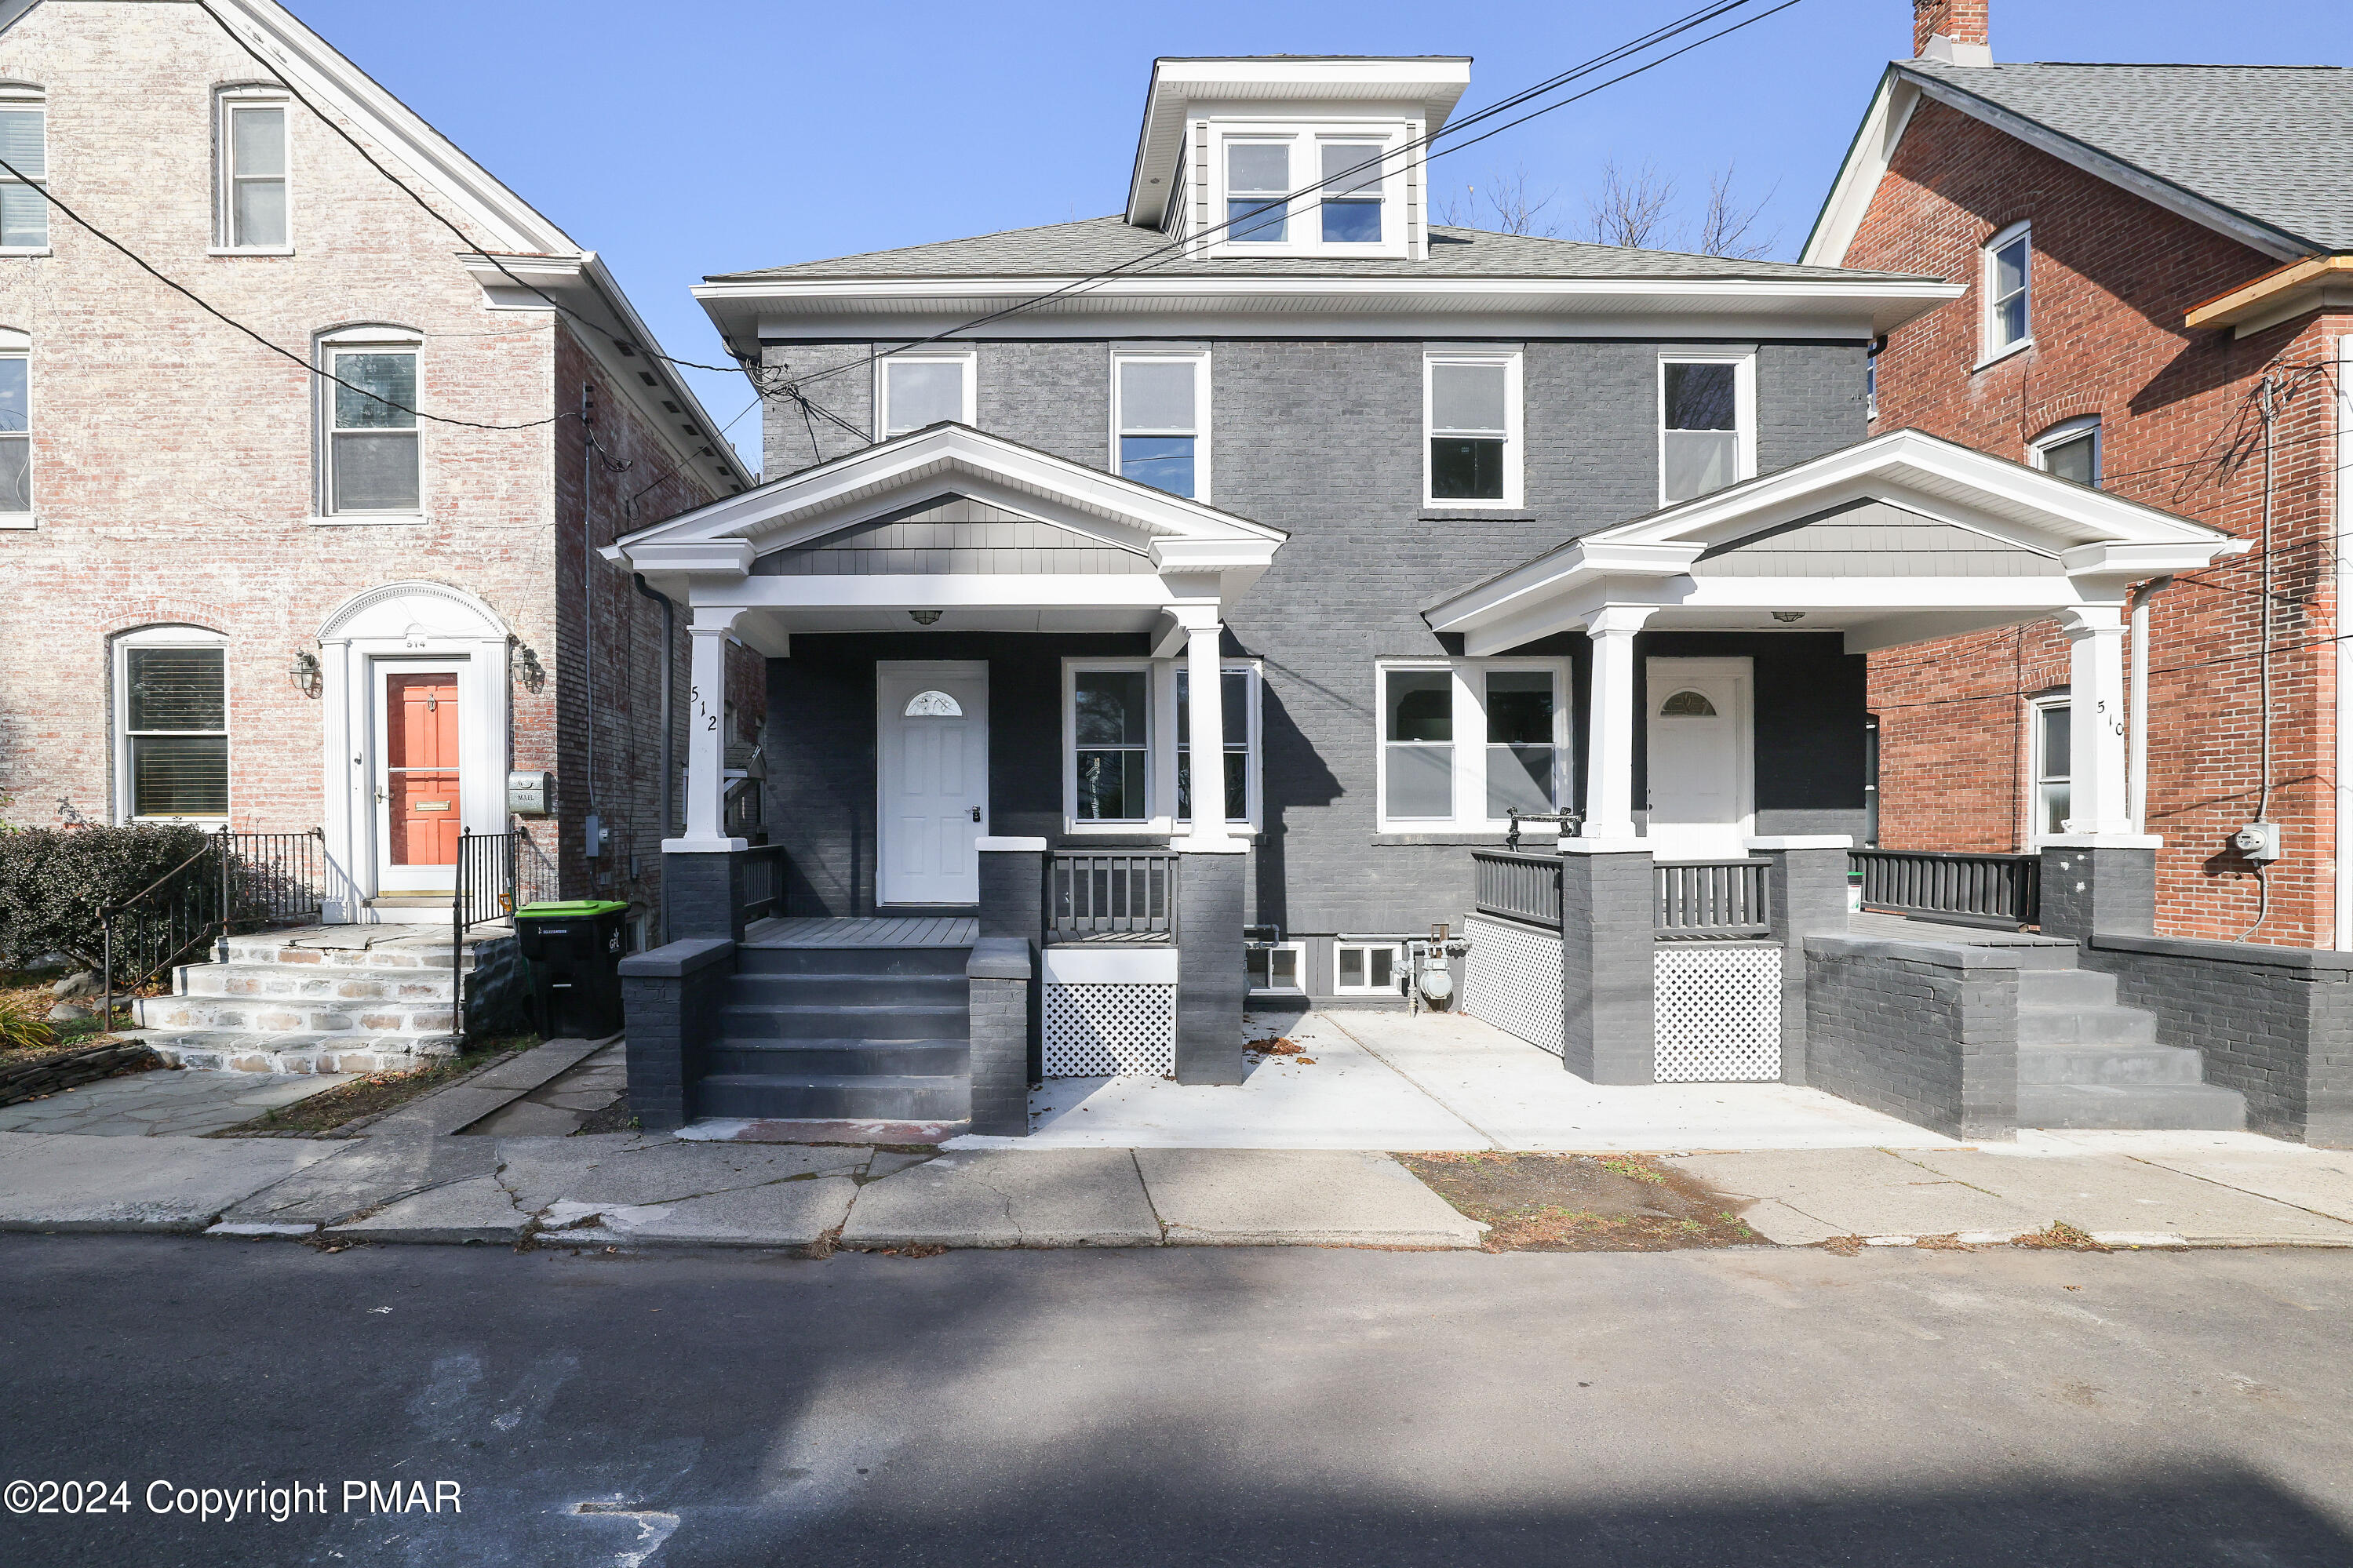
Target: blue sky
(698, 136)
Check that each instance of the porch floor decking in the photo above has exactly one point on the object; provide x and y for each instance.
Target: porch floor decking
(1904, 927)
(880, 930)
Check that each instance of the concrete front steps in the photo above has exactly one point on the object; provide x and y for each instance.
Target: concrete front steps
(2084, 1062)
(831, 1034)
(353, 998)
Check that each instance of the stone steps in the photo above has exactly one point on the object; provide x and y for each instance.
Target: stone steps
(2084, 1062)
(294, 1015)
(228, 1051)
(2199, 1106)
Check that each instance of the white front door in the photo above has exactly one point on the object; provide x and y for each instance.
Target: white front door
(1700, 747)
(932, 731)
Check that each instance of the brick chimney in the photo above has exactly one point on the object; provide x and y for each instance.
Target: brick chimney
(1953, 31)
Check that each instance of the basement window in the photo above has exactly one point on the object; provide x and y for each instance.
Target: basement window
(1365, 969)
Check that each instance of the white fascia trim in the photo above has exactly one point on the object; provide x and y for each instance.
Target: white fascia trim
(1002, 590)
(1891, 112)
(718, 558)
(942, 455)
(324, 76)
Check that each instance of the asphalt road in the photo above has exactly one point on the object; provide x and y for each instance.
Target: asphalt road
(1288, 1406)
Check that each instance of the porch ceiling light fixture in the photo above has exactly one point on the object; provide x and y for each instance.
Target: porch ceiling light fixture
(304, 673)
(1786, 616)
(923, 617)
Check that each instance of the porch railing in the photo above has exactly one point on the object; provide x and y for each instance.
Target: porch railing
(1516, 886)
(1711, 899)
(763, 881)
(1092, 895)
(1968, 890)
(496, 874)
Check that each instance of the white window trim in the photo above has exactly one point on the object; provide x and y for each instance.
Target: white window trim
(1397, 968)
(1199, 359)
(1744, 410)
(2036, 707)
(1160, 819)
(1470, 689)
(15, 345)
(223, 172)
(965, 358)
(1514, 442)
(125, 785)
(2038, 450)
(1304, 236)
(323, 424)
(20, 96)
(1988, 352)
(1298, 950)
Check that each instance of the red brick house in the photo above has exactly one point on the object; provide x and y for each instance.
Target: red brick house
(306, 421)
(2159, 265)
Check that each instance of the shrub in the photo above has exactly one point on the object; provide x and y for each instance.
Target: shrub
(21, 1027)
(53, 882)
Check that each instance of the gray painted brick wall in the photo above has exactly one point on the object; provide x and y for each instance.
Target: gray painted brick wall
(1001, 976)
(1609, 977)
(671, 998)
(1918, 1030)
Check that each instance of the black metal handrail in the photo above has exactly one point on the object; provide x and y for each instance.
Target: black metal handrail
(237, 881)
(1516, 886)
(1094, 894)
(1712, 899)
(2003, 891)
(496, 874)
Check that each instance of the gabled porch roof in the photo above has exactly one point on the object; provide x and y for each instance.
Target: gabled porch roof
(1898, 539)
(808, 552)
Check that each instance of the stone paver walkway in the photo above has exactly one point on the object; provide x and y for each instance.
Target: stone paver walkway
(562, 1104)
(165, 1103)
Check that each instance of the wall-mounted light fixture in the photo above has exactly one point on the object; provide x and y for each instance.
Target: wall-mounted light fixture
(527, 667)
(304, 673)
(923, 617)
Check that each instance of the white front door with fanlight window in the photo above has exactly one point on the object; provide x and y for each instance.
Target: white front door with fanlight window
(1701, 744)
(931, 734)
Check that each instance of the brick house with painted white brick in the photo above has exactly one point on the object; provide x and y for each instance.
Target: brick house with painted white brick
(235, 559)
(2154, 256)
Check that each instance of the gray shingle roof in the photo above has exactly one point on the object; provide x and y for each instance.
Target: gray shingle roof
(2272, 143)
(1091, 245)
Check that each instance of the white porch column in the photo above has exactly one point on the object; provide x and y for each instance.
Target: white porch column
(2098, 797)
(706, 738)
(1205, 705)
(1610, 722)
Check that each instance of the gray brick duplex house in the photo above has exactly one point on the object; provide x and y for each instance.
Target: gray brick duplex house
(1470, 523)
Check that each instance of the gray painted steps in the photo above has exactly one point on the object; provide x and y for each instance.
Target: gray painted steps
(821, 1032)
(2198, 1107)
(2084, 1062)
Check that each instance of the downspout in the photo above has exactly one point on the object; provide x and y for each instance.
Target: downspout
(2266, 397)
(668, 679)
(2136, 773)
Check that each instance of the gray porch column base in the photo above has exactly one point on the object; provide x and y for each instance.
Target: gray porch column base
(2088, 886)
(703, 894)
(1926, 1031)
(1013, 889)
(1210, 976)
(1002, 974)
(1608, 1010)
(1807, 898)
(670, 1005)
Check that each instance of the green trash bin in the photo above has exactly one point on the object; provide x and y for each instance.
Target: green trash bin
(575, 953)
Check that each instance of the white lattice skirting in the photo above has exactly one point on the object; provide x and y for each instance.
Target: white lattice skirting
(1718, 1012)
(1512, 980)
(1115, 1029)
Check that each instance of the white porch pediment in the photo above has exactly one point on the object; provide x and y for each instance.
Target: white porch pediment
(1898, 539)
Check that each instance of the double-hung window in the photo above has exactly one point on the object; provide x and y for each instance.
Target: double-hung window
(1160, 419)
(15, 431)
(374, 467)
(2053, 751)
(1128, 753)
(252, 156)
(25, 152)
(914, 390)
(1466, 742)
(1707, 424)
(2008, 274)
(1471, 410)
(1237, 706)
(2071, 450)
(1258, 181)
(1351, 193)
(171, 724)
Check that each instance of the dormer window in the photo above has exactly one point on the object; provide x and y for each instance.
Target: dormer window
(1308, 190)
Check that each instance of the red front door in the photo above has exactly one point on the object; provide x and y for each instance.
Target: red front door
(421, 767)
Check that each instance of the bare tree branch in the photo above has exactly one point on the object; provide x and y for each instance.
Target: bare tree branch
(1630, 205)
(1510, 206)
(1724, 227)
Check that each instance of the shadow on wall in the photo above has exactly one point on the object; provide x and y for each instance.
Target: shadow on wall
(1295, 774)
